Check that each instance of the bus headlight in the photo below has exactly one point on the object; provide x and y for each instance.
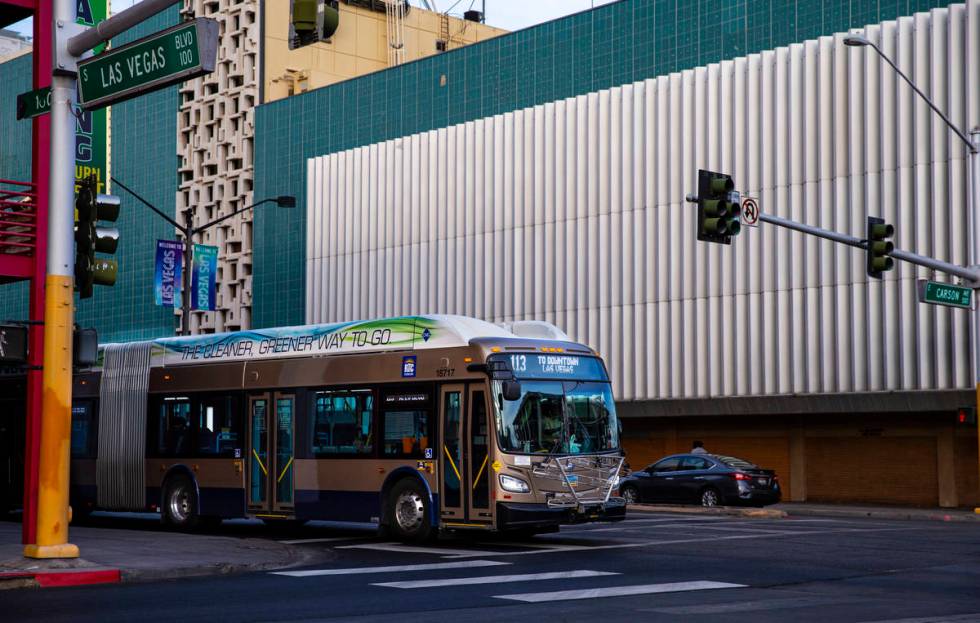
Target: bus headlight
(514, 485)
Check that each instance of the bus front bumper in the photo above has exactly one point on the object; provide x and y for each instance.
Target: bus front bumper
(516, 515)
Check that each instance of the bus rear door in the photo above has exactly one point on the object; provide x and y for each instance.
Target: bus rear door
(271, 447)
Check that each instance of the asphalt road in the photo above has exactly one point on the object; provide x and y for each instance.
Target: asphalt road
(652, 567)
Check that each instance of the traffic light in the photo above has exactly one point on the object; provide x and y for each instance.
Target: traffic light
(718, 207)
(311, 21)
(879, 248)
(90, 238)
(967, 416)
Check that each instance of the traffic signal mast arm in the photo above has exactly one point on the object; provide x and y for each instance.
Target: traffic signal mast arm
(969, 274)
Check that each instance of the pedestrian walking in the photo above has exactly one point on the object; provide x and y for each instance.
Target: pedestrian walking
(698, 448)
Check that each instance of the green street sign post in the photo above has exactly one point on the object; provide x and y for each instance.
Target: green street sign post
(938, 293)
(34, 103)
(164, 58)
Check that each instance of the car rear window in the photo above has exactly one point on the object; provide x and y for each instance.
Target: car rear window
(731, 461)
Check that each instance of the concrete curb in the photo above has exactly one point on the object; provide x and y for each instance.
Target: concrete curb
(49, 579)
(80, 572)
(885, 513)
(732, 511)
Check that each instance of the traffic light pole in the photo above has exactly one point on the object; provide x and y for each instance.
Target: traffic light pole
(51, 538)
(969, 274)
(975, 261)
(188, 232)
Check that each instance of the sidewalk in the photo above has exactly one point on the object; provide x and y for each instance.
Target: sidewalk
(802, 509)
(115, 555)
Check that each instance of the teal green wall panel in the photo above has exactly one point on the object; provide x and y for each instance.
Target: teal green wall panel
(144, 156)
(611, 45)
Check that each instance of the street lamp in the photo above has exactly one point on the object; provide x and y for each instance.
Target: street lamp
(973, 145)
(188, 233)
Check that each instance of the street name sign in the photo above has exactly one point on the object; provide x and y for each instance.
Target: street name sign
(938, 293)
(160, 60)
(34, 103)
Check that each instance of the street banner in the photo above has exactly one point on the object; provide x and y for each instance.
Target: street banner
(167, 280)
(91, 155)
(205, 266)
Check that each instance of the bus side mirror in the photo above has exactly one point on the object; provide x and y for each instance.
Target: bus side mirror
(512, 390)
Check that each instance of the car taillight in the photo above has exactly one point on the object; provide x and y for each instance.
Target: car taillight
(740, 476)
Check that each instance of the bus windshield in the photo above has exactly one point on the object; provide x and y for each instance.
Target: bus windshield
(557, 417)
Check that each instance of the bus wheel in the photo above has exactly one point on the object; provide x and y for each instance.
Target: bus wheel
(180, 504)
(408, 511)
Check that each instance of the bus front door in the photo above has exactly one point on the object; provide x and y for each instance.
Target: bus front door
(271, 447)
(465, 474)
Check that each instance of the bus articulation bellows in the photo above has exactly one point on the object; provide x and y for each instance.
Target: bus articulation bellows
(419, 423)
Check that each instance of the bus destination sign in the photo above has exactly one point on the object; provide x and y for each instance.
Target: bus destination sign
(170, 56)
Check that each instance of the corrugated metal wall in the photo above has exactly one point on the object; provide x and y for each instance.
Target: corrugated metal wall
(573, 212)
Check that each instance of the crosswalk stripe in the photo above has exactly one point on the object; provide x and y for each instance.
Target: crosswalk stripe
(497, 579)
(619, 591)
(392, 568)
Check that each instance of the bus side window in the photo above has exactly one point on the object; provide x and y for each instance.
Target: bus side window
(83, 437)
(406, 433)
(340, 422)
(218, 426)
(173, 426)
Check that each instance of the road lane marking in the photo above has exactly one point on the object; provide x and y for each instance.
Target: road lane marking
(497, 579)
(699, 539)
(619, 591)
(757, 605)
(466, 564)
(324, 540)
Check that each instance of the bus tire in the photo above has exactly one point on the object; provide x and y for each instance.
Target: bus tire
(180, 504)
(408, 511)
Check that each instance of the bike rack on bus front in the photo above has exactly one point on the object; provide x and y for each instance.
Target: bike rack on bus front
(587, 480)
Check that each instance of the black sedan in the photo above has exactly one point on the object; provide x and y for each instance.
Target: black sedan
(706, 479)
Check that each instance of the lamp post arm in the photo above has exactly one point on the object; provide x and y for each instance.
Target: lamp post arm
(963, 137)
(182, 229)
(198, 230)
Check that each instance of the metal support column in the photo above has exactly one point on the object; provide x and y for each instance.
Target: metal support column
(51, 539)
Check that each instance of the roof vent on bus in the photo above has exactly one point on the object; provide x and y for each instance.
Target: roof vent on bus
(535, 329)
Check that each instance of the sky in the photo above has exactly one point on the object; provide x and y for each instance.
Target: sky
(506, 14)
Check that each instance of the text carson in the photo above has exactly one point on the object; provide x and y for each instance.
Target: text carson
(137, 66)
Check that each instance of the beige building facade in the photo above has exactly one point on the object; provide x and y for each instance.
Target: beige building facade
(360, 46)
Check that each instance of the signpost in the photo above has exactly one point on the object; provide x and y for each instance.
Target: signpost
(750, 211)
(938, 293)
(34, 103)
(167, 57)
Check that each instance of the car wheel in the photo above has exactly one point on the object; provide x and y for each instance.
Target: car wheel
(408, 511)
(631, 495)
(710, 497)
(180, 504)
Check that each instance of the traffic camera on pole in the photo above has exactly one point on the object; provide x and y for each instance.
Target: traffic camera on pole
(718, 207)
(91, 238)
(879, 249)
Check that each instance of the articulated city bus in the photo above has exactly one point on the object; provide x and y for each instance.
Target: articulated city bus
(419, 423)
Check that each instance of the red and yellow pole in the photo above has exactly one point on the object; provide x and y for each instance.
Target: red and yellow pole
(52, 503)
(53, 514)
